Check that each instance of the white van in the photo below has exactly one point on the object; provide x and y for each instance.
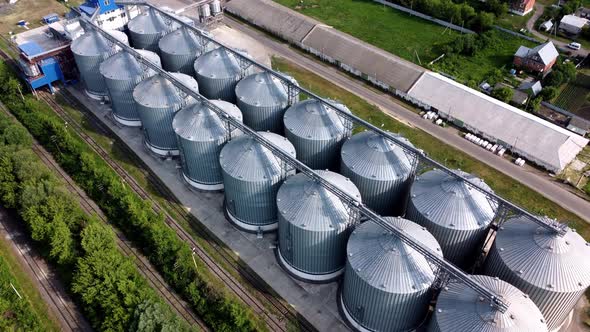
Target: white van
(574, 46)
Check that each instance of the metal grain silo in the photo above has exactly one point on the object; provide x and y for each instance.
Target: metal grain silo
(252, 176)
(90, 50)
(455, 213)
(145, 30)
(461, 309)
(201, 135)
(387, 284)
(157, 100)
(380, 169)
(263, 99)
(218, 72)
(314, 226)
(121, 73)
(317, 132)
(179, 50)
(553, 270)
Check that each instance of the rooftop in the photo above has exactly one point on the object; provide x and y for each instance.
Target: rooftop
(547, 52)
(574, 21)
(539, 141)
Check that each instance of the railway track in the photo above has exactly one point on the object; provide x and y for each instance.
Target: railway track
(280, 312)
(179, 306)
(69, 317)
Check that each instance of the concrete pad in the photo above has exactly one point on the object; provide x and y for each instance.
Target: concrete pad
(239, 40)
(317, 303)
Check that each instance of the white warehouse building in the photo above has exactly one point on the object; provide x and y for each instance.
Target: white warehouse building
(526, 135)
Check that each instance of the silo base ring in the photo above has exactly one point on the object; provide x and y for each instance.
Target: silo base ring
(128, 123)
(249, 227)
(161, 152)
(307, 277)
(95, 96)
(350, 321)
(202, 186)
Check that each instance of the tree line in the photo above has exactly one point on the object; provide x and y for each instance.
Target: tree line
(113, 295)
(218, 308)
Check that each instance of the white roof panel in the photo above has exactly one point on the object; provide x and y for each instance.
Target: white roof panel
(535, 139)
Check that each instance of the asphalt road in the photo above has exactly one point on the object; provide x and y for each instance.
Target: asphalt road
(532, 178)
(530, 25)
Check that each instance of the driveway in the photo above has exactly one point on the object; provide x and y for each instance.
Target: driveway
(530, 25)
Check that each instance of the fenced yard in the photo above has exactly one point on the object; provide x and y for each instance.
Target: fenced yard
(574, 97)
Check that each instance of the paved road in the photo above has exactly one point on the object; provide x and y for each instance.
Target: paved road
(530, 25)
(533, 178)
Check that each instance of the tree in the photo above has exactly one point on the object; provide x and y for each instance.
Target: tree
(568, 70)
(482, 21)
(15, 135)
(153, 316)
(504, 94)
(549, 93)
(535, 103)
(555, 78)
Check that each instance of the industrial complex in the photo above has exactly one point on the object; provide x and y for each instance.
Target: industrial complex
(410, 244)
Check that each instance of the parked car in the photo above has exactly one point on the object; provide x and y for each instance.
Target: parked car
(574, 46)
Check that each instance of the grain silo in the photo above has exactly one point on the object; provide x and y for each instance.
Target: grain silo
(252, 176)
(179, 50)
(380, 169)
(218, 71)
(90, 50)
(314, 226)
(146, 29)
(201, 135)
(263, 99)
(553, 270)
(157, 100)
(387, 284)
(459, 308)
(317, 131)
(455, 213)
(122, 72)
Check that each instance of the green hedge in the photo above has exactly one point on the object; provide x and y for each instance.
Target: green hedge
(114, 296)
(221, 310)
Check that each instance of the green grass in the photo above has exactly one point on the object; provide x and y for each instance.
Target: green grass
(379, 25)
(28, 313)
(497, 55)
(514, 22)
(451, 157)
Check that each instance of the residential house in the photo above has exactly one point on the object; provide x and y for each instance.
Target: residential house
(522, 7)
(572, 25)
(539, 59)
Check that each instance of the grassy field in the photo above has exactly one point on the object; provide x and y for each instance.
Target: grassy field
(502, 184)
(382, 26)
(29, 313)
(29, 10)
(514, 22)
(574, 97)
(497, 55)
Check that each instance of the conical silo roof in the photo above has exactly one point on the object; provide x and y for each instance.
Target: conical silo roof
(306, 204)
(453, 211)
(158, 92)
(247, 160)
(181, 42)
(553, 270)
(314, 225)
(263, 90)
(450, 202)
(459, 308)
(313, 120)
(92, 43)
(387, 284)
(198, 123)
(380, 169)
(218, 63)
(372, 156)
(386, 262)
(124, 66)
(149, 23)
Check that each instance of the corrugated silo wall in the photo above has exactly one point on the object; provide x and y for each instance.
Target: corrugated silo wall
(201, 161)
